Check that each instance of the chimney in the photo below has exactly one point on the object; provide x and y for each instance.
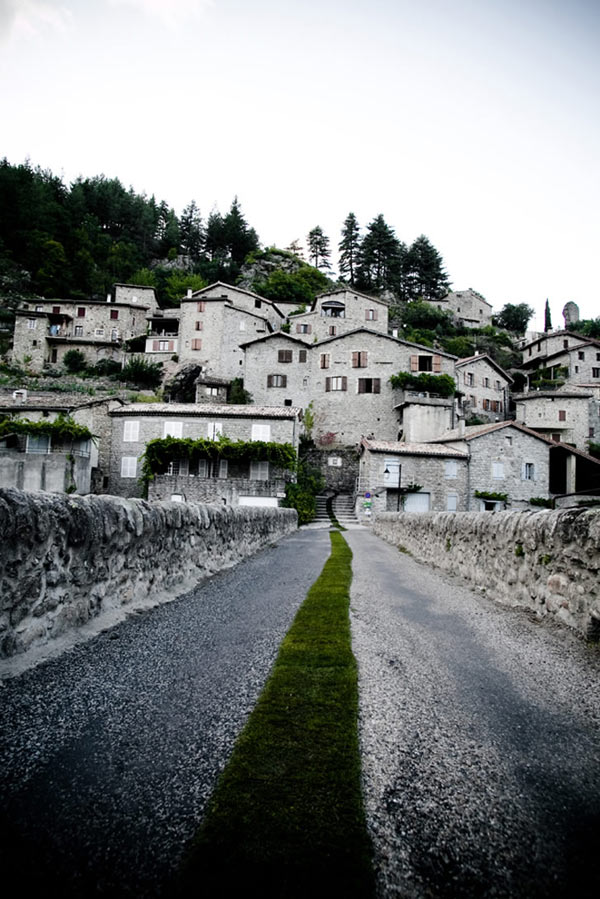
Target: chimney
(109, 298)
(189, 293)
(461, 428)
(394, 332)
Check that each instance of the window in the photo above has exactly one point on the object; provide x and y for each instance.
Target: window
(114, 334)
(260, 432)
(31, 324)
(508, 441)
(276, 380)
(528, 471)
(498, 471)
(596, 373)
(303, 329)
(114, 314)
(565, 344)
(78, 331)
(173, 429)
(332, 330)
(360, 360)
(131, 431)
(164, 345)
(284, 356)
(259, 471)
(340, 383)
(324, 363)
(302, 355)
(56, 310)
(369, 385)
(196, 343)
(257, 304)
(371, 315)
(201, 306)
(486, 405)
(202, 468)
(562, 414)
(199, 326)
(486, 382)
(214, 429)
(129, 466)
(242, 325)
(81, 312)
(99, 332)
(469, 379)
(173, 468)
(473, 401)
(498, 385)
(581, 355)
(425, 363)
(222, 468)
(334, 461)
(597, 357)
(452, 502)
(38, 443)
(451, 468)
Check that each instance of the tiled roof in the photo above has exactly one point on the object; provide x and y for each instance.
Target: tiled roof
(412, 449)
(209, 410)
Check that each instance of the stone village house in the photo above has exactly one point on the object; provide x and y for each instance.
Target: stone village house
(240, 483)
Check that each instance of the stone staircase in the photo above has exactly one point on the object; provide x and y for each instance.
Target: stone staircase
(321, 518)
(343, 509)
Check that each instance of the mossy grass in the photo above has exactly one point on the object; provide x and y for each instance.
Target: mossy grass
(286, 819)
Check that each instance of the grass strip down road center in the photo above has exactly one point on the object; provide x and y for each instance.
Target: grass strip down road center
(286, 818)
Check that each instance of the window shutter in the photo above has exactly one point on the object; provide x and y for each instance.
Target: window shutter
(344, 383)
(298, 329)
(309, 329)
(414, 363)
(376, 385)
(361, 385)
(327, 385)
(201, 306)
(269, 380)
(199, 326)
(283, 380)
(196, 344)
(355, 360)
(437, 363)
(155, 345)
(171, 345)
(301, 355)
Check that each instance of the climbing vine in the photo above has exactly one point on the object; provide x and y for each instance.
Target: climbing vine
(159, 453)
(62, 429)
(443, 385)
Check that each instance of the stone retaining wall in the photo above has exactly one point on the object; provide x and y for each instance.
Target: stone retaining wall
(546, 561)
(66, 560)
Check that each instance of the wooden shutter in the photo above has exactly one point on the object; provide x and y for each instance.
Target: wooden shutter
(355, 360)
(155, 345)
(199, 326)
(327, 385)
(344, 383)
(376, 385)
(308, 329)
(283, 380)
(437, 364)
(269, 380)
(201, 306)
(361, 385)
(171, 345)
(196, 344)
(414, 363)
(301, 355)
(298, 329)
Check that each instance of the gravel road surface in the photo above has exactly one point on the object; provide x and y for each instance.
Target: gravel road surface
(109, 753)
(480, 732)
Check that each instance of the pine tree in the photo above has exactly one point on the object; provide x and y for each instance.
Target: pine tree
(318, 248)
(191, 234)
(239, 238)
(349, 247)
(424, 272)
(547, 318)
(381, 257)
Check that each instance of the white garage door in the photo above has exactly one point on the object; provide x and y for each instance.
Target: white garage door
(264, 501)
(416, 502)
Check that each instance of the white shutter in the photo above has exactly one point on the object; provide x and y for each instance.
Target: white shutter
(128, 466)
(131, 431)
(173, 429)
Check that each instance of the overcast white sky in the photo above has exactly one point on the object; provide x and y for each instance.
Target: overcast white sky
(474, 122)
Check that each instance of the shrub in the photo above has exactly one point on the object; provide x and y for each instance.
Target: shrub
(74, 360)
(141, 372)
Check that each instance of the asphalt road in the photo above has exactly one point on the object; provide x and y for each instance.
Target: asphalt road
(109, 752)
(480, 732)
